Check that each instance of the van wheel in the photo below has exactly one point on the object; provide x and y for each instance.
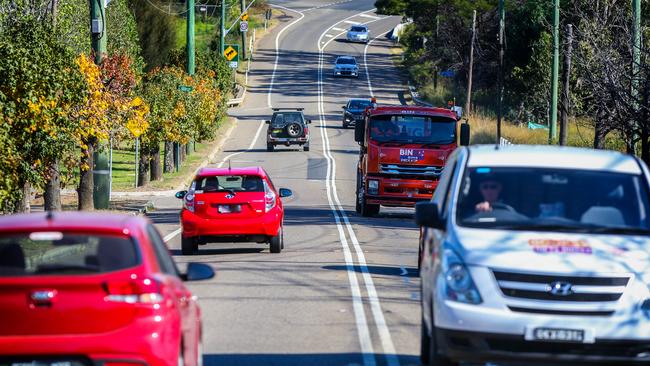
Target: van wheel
(276, 242)
(434, 358)
(425, 343)
(189, 246)
(269, 147)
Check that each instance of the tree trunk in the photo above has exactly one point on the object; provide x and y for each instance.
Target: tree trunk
(183, 153)
(156, 168)
(188, 148)
(52, 194)
(144, 172)
(566, 76)
(169, 157)
(22, 204)
(86, 181)
(599, 135)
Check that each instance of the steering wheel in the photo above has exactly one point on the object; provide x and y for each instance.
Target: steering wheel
(502, 206)
(418, 132)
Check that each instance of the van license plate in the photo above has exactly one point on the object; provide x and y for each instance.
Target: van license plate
(556, 335)
(229, 208)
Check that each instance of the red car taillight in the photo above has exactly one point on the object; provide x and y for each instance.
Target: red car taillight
(269, 200)
(188, 202)
(144, 291)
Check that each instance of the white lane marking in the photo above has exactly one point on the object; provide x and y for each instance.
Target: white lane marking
(351, 22)
(339, 213)
(250, 147)
(337, 29)
(277, 51)
(329, 36)
(326, 5)
(369, 16)
(171, 235)
(365, 64)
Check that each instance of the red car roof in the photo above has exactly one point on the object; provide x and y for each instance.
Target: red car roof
(410, 109)
(77, 220)
(251, 170)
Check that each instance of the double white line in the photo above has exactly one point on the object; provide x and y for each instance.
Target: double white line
(343, 225)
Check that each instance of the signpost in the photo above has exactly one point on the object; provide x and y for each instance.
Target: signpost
(243, 26)
(231, 53)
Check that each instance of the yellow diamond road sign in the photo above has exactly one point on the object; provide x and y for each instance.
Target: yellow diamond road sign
(229, 53)
(244, 16)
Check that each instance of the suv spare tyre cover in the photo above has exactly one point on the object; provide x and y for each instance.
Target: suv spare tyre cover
(294, 129)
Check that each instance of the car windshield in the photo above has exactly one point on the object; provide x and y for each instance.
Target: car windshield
(553, 199)
(359, 104)
(412, 129)
(60, 253)
(227, 183)
(358, 29)
(284, 118)
(346, 61)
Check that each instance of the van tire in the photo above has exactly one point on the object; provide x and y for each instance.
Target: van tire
(269, 147)
(189, 246)
(425, 343)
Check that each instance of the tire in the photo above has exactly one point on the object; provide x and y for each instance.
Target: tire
(189, 246)
(434, 358)
(305, 147)
(294, 129)
(269, 147)
(368, 210)
(425, 344)
(357, 205)
(276, 242)
(345, 124)
(365, 209)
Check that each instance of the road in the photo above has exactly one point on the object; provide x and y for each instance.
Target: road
(344, 291)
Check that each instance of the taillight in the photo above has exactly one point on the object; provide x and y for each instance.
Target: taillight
(144, 291)
(306, 131)
(188, 202)
(269, 200)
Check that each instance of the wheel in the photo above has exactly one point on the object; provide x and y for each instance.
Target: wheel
(294, 129)
(345, 124)
(269, 147)
(189, 246)
(425, 343)
(432, 357)
(365, 209)
(357, 205)
(305, 147)
(275, 243)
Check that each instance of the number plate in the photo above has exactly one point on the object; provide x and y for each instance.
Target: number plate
(559, 335)
(229, 208)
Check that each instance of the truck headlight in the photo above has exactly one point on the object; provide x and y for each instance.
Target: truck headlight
(373, 186)
(459, 285)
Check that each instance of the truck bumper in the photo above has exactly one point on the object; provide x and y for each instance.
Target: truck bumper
(399, 192)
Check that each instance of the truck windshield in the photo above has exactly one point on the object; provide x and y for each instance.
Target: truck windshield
(542, 199)
(412, 129)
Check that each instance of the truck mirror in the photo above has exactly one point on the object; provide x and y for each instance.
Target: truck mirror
(359, 130)
(464, 134)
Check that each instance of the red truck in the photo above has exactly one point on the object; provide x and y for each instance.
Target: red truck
(403, 151)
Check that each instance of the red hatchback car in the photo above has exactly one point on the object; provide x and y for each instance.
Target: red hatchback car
(232, 205)
(87, 289)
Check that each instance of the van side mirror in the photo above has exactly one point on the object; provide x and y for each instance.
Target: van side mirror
(180, 194)
(359, 130)
(428, 215)
(267, 122)
(285, 192)
(464, 134)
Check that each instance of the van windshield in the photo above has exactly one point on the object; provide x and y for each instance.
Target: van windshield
(412, 129)
(542, 199)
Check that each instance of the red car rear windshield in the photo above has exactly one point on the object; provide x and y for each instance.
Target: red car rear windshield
(48, 253)
(225, 183)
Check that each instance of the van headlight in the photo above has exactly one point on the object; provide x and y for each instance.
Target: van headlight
(373, 186)
(459, 285)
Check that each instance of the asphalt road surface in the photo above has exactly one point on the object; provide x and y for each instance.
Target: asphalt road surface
(344, 291)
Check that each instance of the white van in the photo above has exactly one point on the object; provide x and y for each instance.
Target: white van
(536, 253)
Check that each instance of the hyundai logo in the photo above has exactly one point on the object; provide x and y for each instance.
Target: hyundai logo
(560, 288)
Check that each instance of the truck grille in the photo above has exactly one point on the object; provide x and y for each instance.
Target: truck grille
(401, 169)
(561, 290)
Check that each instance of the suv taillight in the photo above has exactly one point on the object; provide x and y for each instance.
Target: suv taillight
(143, 291)
(188, 202)
(306, 131)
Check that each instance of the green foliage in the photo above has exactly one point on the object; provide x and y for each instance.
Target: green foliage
(156, 31)
(123, 32)
(390, 7)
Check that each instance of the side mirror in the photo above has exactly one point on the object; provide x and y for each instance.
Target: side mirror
(359, 130)
(285, 192)
(427, 215)
(198, 272)
(180, 194)
(344, 107)
(267, 122)
(464, 134)
(308, 121)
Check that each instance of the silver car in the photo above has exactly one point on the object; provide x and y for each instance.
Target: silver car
(358, 33)
(536, 254)
(346, 66)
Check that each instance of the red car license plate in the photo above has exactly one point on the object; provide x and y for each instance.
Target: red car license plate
(229, 208)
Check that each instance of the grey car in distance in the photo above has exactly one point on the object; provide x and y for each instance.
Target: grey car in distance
(346, 66)
(358, 33)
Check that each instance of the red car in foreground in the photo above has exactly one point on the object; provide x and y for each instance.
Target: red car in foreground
(84, 289)
(232, 205)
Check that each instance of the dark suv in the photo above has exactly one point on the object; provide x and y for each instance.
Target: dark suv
(353, 111)
(288, 126)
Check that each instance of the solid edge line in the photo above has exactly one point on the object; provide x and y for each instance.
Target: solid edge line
(171, 235)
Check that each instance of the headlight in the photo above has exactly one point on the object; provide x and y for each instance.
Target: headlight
(459, 285)
(373, 187)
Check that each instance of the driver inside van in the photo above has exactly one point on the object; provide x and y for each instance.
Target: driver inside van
(490, 189)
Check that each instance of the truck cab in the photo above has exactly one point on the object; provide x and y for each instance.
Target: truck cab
(403, 150)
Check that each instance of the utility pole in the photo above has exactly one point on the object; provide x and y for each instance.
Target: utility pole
(101, 169)
(636, 56)
(189, 34)
(555, 71)
(502, 34)
(223, 27)
(566, 75)
(468, 102)
(242, 3)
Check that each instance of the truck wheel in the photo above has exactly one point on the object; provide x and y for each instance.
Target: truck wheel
(189, 246)
(276, 242)
(368, 210)
(357, 206)
(269, 147)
